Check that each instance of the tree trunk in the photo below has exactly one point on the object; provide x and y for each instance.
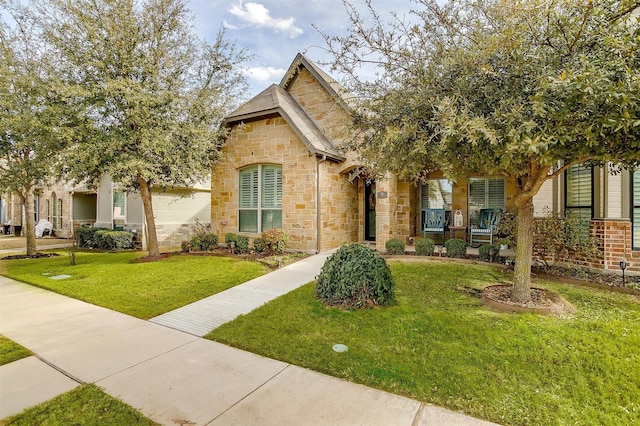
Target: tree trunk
(29, 228)
(522, 273)
(152, 236)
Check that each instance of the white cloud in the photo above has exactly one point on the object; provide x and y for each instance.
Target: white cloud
(258, 15)
(265, 74)
(229, 26)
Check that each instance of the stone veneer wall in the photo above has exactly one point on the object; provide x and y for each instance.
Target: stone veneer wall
(171, 235)
(339, 205)
(63, 195)
(395, 213)
(267, 141)
(323, 109)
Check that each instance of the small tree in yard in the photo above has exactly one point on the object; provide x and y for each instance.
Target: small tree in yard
(517, 88)
(33, 122)
(153, 92)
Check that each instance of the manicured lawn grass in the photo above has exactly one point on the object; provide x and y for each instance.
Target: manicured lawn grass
(85, 405)
(440, 345)
(143, 290)
(11, 351)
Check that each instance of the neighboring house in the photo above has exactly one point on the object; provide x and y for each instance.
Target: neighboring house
(608, 201)
(283, 168)
(177, 210)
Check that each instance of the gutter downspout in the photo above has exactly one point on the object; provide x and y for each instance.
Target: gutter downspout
(318, 204)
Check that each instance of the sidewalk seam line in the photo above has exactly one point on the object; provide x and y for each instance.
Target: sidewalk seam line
(249, 394)
(147, 359)
(60, 370)
(416, 418)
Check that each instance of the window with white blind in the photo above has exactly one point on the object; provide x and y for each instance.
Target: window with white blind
(260, 204)
(118, 204)
(436, 194)
(579, 193)
(36, 207)
(54, 214)
(485, 193)
(635, 215)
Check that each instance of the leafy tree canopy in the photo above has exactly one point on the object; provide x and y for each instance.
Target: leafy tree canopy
(517, 88)
(153, 94)
(34, 124)
(496, 86)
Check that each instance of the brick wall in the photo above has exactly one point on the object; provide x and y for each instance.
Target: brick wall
(616, 244)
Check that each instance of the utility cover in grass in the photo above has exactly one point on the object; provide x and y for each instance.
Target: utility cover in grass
(339, 347)
(60, 277)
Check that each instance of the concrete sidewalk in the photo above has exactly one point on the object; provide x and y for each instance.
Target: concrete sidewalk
(174, 377)
(201, 317)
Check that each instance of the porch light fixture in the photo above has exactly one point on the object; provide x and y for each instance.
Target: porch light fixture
(623, 266)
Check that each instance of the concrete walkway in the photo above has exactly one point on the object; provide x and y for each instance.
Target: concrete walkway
(175, 377)
(201, 317)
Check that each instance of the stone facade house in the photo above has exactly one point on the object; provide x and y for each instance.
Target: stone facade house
(283, 167)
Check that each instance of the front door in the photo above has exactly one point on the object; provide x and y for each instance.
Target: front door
(370, 210)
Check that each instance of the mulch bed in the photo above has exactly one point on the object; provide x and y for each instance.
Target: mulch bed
(35, 256)
(589, 277)
(542, 301)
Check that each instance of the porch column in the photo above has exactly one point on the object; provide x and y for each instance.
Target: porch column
(386, 209)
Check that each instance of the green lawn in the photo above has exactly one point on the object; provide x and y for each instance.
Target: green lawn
(440, 345)
(85, 405)
(143, 290)
(11, 351)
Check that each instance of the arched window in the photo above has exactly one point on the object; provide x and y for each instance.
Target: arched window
(54, 209)
(260, 204)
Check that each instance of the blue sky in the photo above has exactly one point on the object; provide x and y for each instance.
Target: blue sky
(274, 31)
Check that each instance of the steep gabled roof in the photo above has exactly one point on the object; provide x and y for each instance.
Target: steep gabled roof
(330, 84)
(275, 100)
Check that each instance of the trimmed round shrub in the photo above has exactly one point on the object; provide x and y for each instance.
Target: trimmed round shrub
(483, 252)
(113, 240)
(258, 245)
(395, 246)
(425, 247)
(86, 237)
(204, 242)
(275, 240)
(456, 248)
(354, 277)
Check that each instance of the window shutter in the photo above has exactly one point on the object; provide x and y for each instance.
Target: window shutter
(579, 186)
(249, 188)
(271, 187)
(495, 193)
(477, 192)
(424, 196)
